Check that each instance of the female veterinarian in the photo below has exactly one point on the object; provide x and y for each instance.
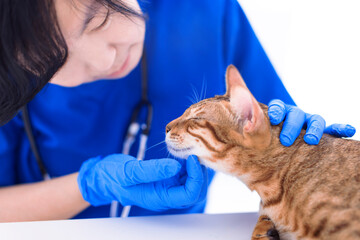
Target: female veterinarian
(74, 74)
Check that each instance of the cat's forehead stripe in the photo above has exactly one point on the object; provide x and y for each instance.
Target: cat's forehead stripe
(198, 108)
(217, 98)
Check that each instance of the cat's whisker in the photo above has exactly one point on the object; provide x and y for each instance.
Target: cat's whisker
(154, 145)
(203, 89)
(192, 100)
(165, 147)
(196, 94)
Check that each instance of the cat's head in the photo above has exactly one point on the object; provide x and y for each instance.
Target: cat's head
(218, 129)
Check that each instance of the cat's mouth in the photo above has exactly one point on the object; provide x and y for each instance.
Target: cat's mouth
(178, 149)
(179, 152)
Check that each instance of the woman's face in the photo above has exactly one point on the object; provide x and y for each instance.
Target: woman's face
(100, 46)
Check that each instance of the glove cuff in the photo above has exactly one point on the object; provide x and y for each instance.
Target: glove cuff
(83, 178)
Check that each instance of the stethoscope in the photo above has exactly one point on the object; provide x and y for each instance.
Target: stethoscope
(137, 126)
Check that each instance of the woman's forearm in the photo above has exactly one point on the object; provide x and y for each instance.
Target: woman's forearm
(58, 198)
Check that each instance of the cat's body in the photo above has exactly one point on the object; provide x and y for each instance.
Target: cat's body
(309, 192)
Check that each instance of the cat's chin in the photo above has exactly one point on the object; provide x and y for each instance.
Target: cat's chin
(180, 152)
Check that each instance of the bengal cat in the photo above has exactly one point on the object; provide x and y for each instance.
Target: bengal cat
(307, 191)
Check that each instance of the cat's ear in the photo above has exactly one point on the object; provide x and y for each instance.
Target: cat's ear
(247, 110)
(233, 79)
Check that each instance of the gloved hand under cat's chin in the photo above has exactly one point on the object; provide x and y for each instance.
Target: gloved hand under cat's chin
(157, 184)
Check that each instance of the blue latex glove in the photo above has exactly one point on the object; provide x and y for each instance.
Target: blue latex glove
(156, 185)
(296, 119)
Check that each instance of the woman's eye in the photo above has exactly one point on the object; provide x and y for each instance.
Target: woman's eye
(104, 22)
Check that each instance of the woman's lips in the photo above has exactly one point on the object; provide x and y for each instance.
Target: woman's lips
(121, 69)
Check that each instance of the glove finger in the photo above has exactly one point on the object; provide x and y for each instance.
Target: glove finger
(293, 124)
(315, 128)
(182, 171)
(204, 188)
(137, 172)
(195, 178)
(340, 130)
(276, 111)
(182, 179)
(189, 192)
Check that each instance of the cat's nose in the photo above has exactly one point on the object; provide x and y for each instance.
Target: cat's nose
(168, 128)
(170, 125)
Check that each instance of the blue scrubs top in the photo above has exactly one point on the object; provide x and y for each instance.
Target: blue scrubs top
(189, 44)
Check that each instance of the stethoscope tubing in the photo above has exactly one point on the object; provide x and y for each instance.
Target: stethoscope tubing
(133, 130)
(33, 145)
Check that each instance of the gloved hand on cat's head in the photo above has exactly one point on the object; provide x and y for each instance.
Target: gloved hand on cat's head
(295, 119)
(157, 184)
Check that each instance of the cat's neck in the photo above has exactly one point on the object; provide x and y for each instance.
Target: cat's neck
(266, 168)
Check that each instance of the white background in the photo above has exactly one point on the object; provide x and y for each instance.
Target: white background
(314, 46)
